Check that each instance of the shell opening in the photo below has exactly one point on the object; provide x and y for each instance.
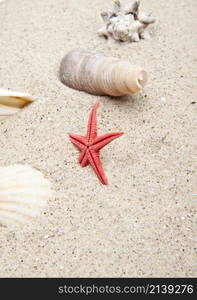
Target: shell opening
(142, 79)
(136, 80)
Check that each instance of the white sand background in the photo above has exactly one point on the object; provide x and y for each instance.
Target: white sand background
(144, 222)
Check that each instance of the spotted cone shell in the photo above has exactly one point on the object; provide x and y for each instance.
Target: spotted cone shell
(101, 75)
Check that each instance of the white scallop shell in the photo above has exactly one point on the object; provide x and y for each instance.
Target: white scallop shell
(12, 102)
(23, 193)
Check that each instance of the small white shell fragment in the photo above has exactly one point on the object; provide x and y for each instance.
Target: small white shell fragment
(23, 194)
(12, 102)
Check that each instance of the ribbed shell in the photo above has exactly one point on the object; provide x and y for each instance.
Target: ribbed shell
(101, 75)
(23, 193)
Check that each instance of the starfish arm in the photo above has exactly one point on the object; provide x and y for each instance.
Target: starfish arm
(78, 140)
(96, 164)
(105, 139)
(92, 123)
(83, 158)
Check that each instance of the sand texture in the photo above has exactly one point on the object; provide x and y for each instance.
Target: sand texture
(144, 222)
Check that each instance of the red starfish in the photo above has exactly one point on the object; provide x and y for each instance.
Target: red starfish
(91, 144)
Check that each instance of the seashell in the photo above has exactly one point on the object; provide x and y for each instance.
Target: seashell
(13, 102)
(101, 75)
(126, 23)
(23, 193)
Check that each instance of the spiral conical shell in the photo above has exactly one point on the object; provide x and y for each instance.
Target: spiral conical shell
(23, 193)
(101, 75)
